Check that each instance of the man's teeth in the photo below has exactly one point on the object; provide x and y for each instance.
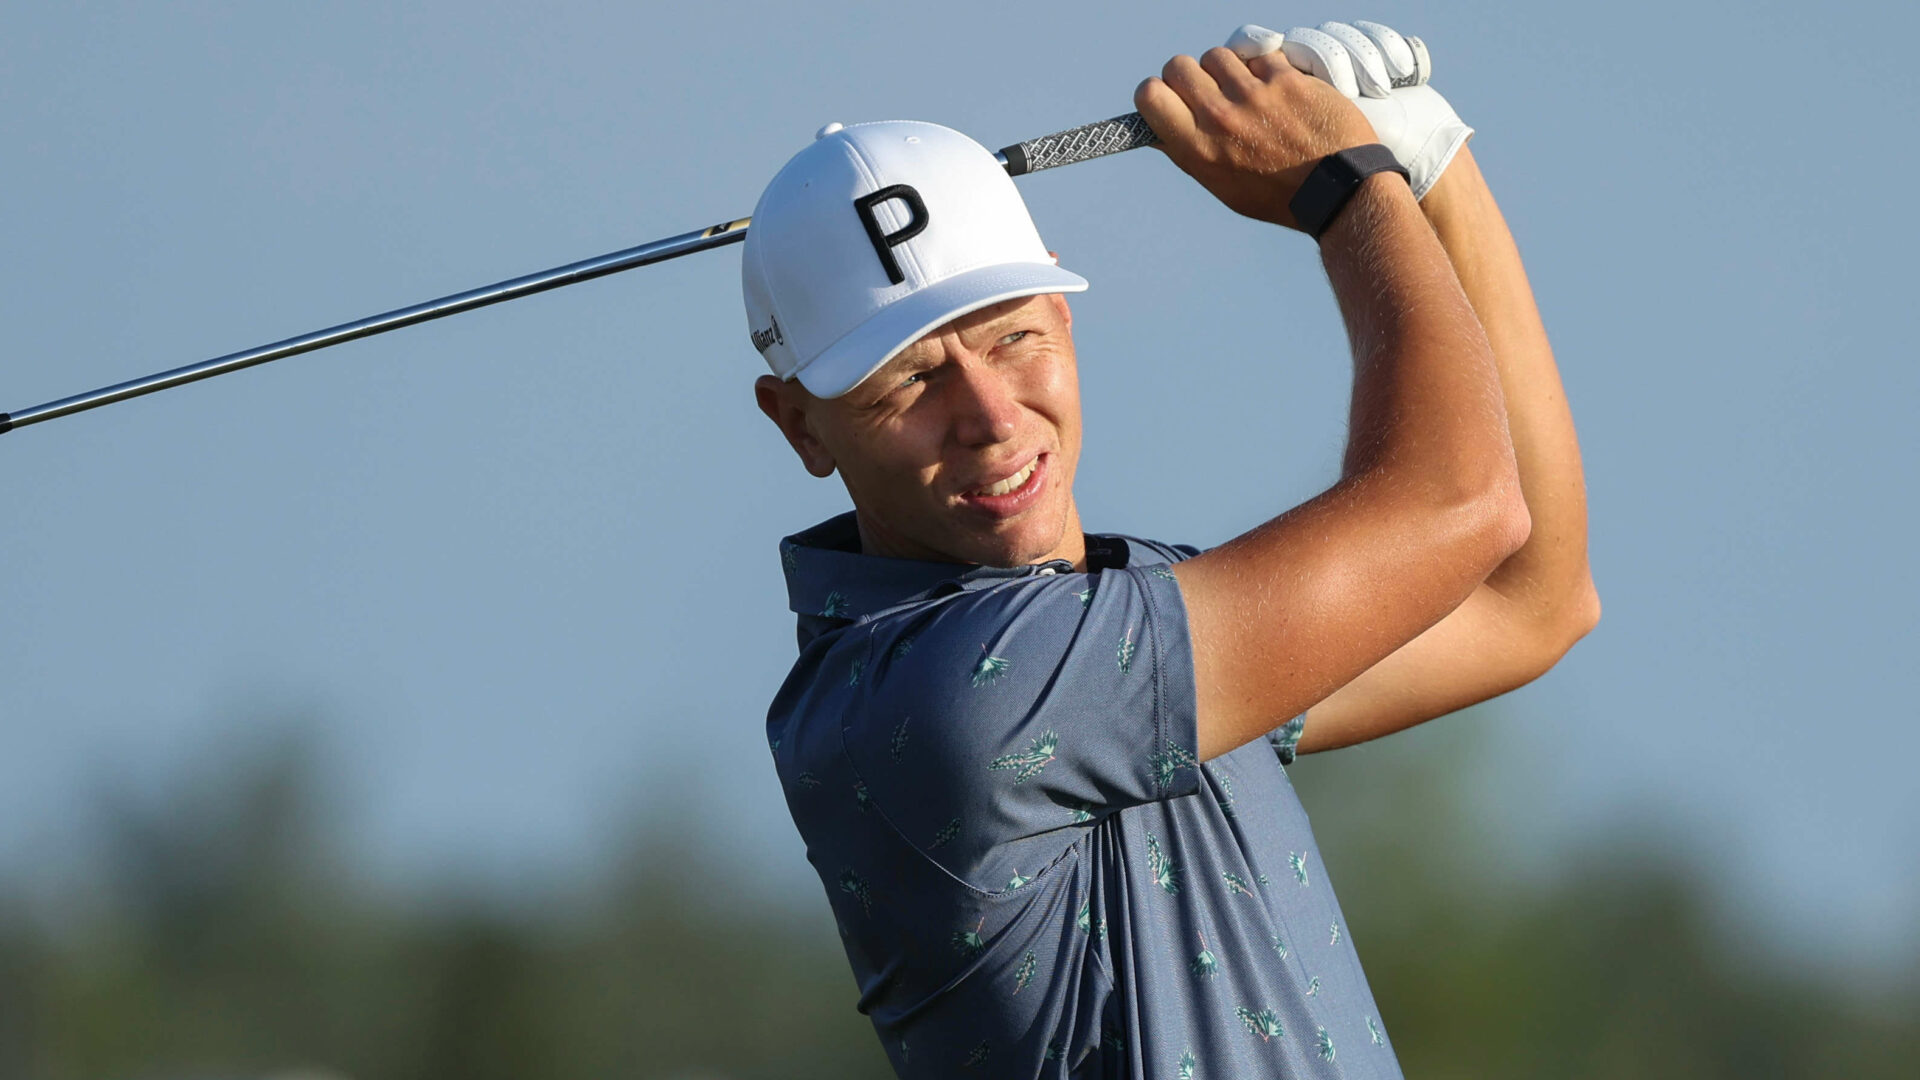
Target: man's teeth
(1011, 483)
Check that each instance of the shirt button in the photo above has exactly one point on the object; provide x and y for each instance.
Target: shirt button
(1048, 571)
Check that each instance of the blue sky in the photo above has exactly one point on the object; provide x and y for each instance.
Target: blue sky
(521, 563)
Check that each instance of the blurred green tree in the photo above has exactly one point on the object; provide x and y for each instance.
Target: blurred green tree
(228, 936)
(228, 940)
(1614, 961)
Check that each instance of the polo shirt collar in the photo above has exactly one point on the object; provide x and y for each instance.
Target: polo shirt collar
(828, 576)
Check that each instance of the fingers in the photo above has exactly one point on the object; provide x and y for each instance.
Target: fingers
(1250, 41)
(1164, 111)
(1321, 55)
(1172, 102)
(1209, 86)
(1360, 59)
(1191, 81)
(1229, 73)
(1405, 66)
(1421, 60)
(1250, 130)
(1260, 48)
(1369, 66)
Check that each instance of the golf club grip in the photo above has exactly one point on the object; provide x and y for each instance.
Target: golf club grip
(1083, 143)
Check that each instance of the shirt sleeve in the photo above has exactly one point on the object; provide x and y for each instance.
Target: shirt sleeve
(1285, 739)
(1027, 706)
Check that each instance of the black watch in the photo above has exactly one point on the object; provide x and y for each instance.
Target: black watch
(1332, 182)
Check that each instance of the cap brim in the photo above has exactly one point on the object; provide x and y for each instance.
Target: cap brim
(841, 366)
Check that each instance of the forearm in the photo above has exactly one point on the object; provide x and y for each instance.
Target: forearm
(1548, 576)
(1427, 412)
(1427, 506)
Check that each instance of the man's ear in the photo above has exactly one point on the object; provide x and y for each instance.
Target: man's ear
(785, 403)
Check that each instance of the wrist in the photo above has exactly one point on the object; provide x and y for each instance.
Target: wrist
(1458, 193)
(1379, 199)
(1334, 181)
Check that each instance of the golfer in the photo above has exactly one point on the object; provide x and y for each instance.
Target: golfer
(1040, 770)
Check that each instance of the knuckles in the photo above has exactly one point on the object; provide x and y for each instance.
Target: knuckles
(1247, 140)
(1271, 67)
(1219, 59)
(1261, 127)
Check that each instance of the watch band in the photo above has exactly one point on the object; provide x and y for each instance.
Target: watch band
(1332, 182)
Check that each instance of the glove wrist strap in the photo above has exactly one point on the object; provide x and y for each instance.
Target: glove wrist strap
(1333, 181)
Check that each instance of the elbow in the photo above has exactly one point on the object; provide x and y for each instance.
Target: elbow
(1512, 521)
(1562, 626)
(1472, 525)
(1552, 633)
(1581, 613)
(1489, 502)
(1502, 524)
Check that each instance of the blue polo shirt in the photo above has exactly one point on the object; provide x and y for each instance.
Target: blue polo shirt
(994, 773)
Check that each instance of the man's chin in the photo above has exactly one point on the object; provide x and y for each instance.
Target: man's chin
(1020, 542)
(1020, 546)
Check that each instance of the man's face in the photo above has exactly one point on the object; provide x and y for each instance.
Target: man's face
(961, 448)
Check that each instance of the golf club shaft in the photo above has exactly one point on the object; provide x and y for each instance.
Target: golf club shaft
(1049, 151)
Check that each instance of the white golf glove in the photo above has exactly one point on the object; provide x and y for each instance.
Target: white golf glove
(1385, 74)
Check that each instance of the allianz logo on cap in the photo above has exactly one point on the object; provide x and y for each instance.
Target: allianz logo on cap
(768, 338)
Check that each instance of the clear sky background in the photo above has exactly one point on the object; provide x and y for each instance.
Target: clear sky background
(518, 568)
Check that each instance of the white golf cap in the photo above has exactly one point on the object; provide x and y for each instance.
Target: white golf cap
(876, 234)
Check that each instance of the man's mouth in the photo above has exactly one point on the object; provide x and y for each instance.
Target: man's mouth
(1011, 495)
(1011, 483)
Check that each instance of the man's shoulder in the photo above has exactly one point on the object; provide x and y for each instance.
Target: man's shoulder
(862, 618)
(978, 626)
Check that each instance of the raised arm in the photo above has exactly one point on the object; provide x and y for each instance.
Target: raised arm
(1429, 502)
(1541, 599)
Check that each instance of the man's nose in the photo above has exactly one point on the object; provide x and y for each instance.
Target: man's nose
(985, 410)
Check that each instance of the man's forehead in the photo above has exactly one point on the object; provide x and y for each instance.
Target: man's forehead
(972, 321)
(925, 351)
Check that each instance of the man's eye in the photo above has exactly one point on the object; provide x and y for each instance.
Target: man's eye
(1015, 336)
(909, 380)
